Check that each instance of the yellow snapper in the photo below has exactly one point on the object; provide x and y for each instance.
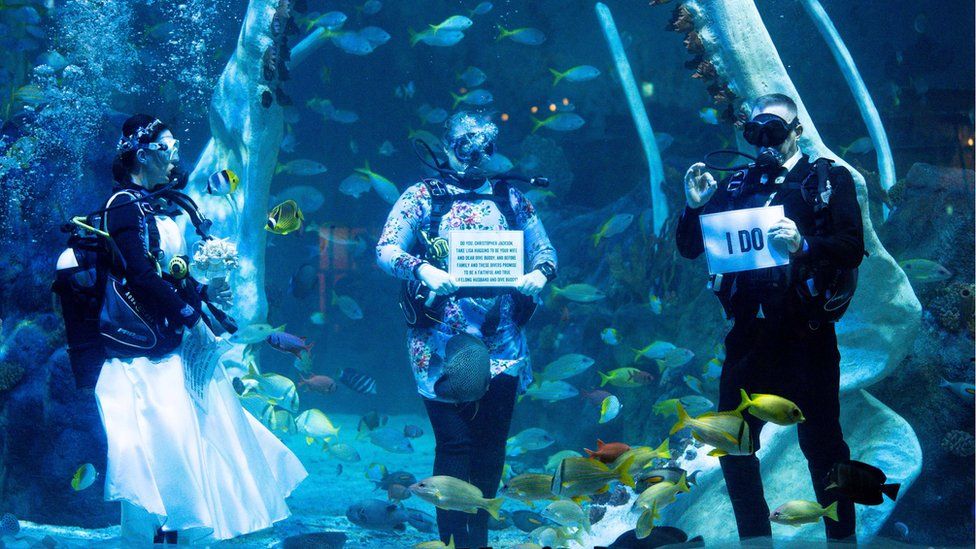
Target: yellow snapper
(285, 218)
(694, 404)
(661, 494)
(566, 366)
(771, 408)
(452, 494)
(529, 487)
(550, 391)
(301, 167)
(645, 522)
(315, 425)
(383, 186)
(640, 456)
(797, 512)
(674, 358)
(625, 377)
(654, 498)
(276, 388)
(580, 293)
(580, 476)
(656, 351)
(924, 270)
(553, 462)
(726, 431)
(613, 226)
(567, 513)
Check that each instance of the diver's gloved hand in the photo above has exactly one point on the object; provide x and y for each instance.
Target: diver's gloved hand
(532, 283)
(218, 292)
(785, 233)
(699, 186)
(441, 282)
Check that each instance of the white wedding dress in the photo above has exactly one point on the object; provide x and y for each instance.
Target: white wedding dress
(209, 475)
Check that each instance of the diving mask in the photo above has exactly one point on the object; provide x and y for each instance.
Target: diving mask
(768, 130)
(471, 148)
(170, 148)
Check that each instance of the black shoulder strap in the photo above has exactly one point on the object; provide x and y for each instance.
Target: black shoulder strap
(821, 167)
(441, 201)
(440, 204)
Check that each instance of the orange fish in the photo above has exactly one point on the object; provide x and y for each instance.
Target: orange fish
(607, 452)
(319, 384)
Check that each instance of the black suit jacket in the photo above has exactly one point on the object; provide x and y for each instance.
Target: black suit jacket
(841, 245)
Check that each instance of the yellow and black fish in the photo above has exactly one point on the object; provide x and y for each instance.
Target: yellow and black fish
(223, 183)
(285, 218)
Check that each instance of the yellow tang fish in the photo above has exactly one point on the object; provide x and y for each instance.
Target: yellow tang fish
(285, 218)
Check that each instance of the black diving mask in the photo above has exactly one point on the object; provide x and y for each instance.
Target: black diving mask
(471, 148)
(768, 130)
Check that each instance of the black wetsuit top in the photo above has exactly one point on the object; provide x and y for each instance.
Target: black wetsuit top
(841, 245)
(133, 229)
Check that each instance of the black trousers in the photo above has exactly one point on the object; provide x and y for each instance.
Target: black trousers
(471, 446)
(790, 360)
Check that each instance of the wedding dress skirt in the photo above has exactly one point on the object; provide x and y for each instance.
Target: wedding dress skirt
(210, 475)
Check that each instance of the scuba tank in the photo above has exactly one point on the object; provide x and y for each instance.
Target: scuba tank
(102, 317)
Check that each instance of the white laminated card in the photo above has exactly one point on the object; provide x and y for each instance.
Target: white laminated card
(737, 240)
(486, 258)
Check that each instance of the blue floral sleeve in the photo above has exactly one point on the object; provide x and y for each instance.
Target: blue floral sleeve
(537, 245)
(407, 217)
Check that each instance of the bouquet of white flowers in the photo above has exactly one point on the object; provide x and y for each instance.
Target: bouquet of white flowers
(213, 259)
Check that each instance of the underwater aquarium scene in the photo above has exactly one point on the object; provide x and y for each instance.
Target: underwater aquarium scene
(510, 274)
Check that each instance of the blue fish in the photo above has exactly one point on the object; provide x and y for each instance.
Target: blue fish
(473, 76)
(352, 43)
(525, 35)
(482, 8)
(474, 97)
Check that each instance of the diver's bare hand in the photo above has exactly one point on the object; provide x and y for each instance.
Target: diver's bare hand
(218, 292)
(700, 186)
(531, 284)
(441, 282)
(785, 232)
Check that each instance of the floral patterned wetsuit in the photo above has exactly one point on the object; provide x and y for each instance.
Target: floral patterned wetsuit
(506, 346)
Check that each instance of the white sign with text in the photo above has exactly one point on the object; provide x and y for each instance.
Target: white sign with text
(737, 240)
(486, 258)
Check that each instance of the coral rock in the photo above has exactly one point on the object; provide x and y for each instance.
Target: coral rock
(10, 375)
(959, 443)
(681, 20)
(693, 43)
